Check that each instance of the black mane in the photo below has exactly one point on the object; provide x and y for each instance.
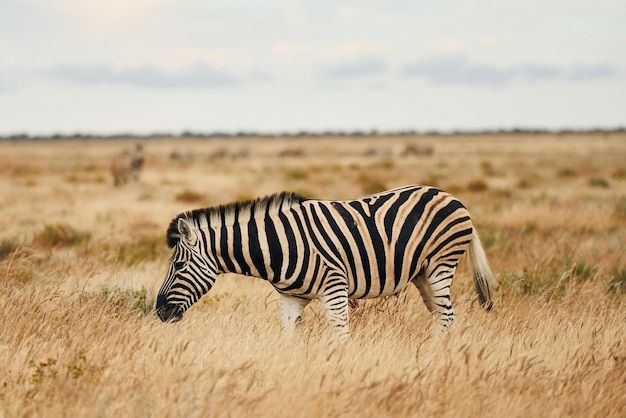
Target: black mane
(267, 203)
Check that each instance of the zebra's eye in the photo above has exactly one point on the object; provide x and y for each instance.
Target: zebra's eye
(179, 265)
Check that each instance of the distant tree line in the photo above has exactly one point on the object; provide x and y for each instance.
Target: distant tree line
(309, 134)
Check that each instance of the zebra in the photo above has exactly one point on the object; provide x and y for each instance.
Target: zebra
(127, 165)
(328, 250)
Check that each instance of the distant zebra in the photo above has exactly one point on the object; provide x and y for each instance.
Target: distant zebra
(127, 166)
(327, 250)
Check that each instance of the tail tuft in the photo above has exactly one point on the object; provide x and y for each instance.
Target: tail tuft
(483, 277)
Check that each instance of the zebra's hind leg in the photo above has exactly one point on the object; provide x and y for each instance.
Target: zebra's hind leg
(335, 301)
(292, 307)
(435, 290)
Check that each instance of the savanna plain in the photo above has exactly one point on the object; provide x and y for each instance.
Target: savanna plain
(81, 262)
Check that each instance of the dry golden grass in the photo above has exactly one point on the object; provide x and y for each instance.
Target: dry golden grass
(81, 262)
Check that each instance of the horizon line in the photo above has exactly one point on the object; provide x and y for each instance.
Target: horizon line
(311, 133)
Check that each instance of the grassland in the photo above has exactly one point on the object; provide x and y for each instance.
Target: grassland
(81, 262)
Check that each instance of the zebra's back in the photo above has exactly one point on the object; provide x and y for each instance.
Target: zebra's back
(383, 241)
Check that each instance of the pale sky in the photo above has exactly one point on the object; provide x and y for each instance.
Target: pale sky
(146, 66)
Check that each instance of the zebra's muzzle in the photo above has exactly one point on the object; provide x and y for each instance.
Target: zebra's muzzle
(167, 312)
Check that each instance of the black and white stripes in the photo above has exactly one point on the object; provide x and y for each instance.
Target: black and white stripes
(327, 250)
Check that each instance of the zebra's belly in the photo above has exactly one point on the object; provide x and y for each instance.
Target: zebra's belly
(377, 288)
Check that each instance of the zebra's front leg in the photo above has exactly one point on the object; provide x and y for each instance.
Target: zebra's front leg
(292, 307)
(335, 301)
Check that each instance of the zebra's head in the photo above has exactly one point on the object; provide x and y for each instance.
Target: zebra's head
(191, 272)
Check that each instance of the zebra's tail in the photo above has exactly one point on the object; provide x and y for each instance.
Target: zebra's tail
(483, 277)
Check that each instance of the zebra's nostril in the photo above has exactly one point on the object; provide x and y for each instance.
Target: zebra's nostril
(161, 301)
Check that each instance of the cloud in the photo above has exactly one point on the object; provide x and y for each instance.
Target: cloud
(536, 72)
(198, 75)
(361, 67)
(590, 72)
(458, 70)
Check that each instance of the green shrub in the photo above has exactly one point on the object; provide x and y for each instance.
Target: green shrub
(580, 270)
(142, 248)
(145, 248)
(549, 281)
(540, 280)
(489, 240)
(599, 182)
(43, 370)
(529, 227)
(78, 369)
(60, 235)
(617, 281)
(135, 300)
(297, 174)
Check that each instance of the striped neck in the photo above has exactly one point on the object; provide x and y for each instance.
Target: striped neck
(229, 214)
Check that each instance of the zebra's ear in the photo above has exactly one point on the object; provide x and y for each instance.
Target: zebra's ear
(184, 229)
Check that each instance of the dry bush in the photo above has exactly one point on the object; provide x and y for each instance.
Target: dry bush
(477, 185)
(384, 164)
(567, 172)
(529, 181)
(619, 173)
(292, 152)
(370, 185)
(8, 247)
(487, 168)
(190, 196)
(20, 169)
(20, 273)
